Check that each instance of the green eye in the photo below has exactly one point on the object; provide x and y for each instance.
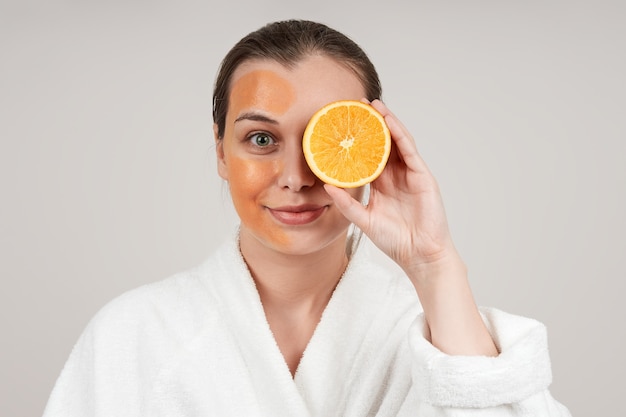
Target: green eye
(262, 140)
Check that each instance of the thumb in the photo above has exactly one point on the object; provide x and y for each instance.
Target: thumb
(351, 209)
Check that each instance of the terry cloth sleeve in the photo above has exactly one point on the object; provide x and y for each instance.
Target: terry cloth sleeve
(99, 378)
(73, 392)
(110, 369)
(515, 383)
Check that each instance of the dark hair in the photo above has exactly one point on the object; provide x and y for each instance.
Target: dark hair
(287, 42)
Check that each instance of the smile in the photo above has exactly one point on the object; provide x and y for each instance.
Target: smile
(297, 215)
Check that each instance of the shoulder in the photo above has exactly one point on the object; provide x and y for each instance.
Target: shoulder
(134, 336)
(176, 307)
(163, 304)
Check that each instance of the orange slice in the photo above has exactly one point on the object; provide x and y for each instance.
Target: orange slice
(347, 143)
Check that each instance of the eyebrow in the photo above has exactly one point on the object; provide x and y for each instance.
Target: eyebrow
(257, 117)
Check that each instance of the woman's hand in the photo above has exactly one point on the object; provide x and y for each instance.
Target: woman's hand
(405, 216)
(406, 219)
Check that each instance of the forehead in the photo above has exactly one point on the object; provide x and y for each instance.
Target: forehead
(316, 80)
(261, 85)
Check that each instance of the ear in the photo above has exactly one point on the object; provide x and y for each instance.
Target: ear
(219, 152)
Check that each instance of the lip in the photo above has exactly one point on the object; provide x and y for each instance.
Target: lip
(297, 215)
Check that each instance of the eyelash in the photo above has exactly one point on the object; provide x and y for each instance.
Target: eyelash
(251, 140)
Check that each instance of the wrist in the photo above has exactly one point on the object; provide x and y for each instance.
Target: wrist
(454, 323)
(445, 266)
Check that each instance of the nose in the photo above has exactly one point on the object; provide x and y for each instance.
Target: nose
(296, 174)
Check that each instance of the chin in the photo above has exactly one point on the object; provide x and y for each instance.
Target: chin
(302, 242)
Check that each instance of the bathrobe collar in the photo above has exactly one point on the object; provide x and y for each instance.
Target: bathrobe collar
(331, 351)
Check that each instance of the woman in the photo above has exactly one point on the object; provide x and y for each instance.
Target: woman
(289, 318)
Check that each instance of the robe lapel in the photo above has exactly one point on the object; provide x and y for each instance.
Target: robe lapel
(343, 338)
(241, 307)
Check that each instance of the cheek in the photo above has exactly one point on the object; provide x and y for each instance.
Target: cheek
(248, 179)
(250, 182)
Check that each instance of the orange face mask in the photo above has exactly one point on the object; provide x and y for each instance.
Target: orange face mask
(261, 89)
(266, 91)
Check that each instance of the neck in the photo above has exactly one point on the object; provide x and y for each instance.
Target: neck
(293, 282)
(294, 290)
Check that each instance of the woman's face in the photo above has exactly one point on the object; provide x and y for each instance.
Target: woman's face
(281, 204)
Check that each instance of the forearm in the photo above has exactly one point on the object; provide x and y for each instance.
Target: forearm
(453, 319)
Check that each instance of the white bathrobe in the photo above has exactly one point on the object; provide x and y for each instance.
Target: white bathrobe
(198, 344)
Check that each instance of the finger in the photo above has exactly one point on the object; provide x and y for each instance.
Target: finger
(405, 144)
(351, 209)
(384, 111)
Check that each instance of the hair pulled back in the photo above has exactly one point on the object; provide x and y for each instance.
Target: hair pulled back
(288, 42)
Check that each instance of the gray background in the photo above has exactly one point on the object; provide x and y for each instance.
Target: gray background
(108, 176)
